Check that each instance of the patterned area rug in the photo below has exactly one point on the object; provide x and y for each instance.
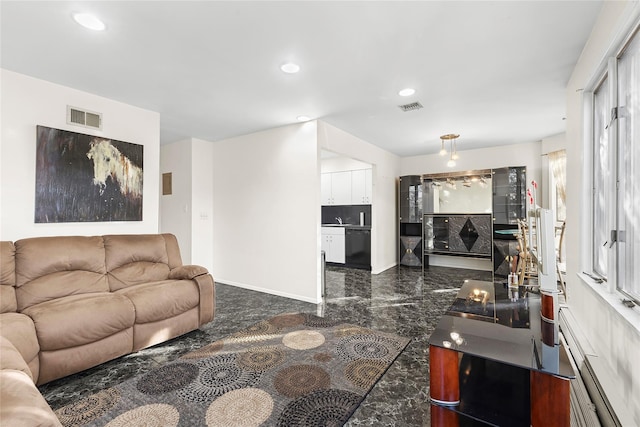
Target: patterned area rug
(290, 370)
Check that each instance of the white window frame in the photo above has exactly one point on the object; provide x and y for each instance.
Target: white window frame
(607, 70)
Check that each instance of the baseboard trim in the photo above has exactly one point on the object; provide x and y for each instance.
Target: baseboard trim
(383, 269)
(268, 291)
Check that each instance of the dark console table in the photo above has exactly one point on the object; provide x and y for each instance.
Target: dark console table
(457, 234)
(495, 359)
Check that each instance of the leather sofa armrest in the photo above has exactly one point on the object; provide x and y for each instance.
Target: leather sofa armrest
(21, 404)
(187, 272)
(10, 358)
(206, 288)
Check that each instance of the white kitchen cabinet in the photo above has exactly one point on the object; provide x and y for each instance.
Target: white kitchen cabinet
(325, 188)
(333, 244)
(361, 187)
(341, 188)
(335, 188)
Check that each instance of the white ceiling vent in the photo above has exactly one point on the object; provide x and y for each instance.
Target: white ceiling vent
(411, 107)
(90, 119)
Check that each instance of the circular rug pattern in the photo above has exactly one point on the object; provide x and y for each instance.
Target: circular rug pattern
(319, 322)
(167, 378)
(246, 407)
(321, 408)
(206, 351)
(297, 380)
(287, 320)
(349, 330)
(364, 373)
(218, 375)
(368, 346)
(155, 415)
(258, 332)
(323, 357)
(261, 358)
(303, 340)
(89, 408)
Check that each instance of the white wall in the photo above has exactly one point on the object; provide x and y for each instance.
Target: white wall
(266, 221)
(202, 204)
(176, 208)
(188, 211)
(27, 102)
(340, 164)
(383, 208)
(611, 329)
(554, 143)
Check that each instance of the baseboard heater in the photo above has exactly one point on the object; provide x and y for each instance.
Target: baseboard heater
(591, 395)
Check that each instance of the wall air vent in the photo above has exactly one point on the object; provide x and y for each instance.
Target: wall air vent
(410, 107)
(90, 119)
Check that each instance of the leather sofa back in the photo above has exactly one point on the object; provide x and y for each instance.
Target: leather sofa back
(55, 267)
(173, 250)
(40, 269)
(135, 259)
(8, 301)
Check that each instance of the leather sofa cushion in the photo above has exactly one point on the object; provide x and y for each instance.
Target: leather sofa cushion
(7, 278)
(162, 300)
(54, 267)
(135, 259)
(80, 319)
(20, 331)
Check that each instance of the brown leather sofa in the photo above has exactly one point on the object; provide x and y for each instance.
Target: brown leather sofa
(69, 303)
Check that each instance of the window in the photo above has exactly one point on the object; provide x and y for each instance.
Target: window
(616, 172)
(558, 183)
(601, 177)
(628, 206)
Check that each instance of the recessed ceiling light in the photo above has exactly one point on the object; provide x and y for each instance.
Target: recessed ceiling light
(290, 68)
(304, 118)
(407, 92)
(89, 21)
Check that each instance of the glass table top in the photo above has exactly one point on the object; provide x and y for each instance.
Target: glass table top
(502, 323)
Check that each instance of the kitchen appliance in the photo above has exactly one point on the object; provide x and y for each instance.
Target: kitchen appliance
(358, 248)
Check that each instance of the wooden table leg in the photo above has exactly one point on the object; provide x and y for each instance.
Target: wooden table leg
(550, 401)
(443, 417)
(444, 381)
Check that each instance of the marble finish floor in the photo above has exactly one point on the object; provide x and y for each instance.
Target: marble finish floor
(401, 300)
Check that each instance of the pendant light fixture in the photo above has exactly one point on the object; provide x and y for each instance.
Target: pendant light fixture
(453, 153)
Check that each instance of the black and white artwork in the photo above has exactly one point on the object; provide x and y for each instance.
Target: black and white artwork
(84, 178)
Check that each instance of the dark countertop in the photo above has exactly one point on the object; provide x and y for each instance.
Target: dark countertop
(349, 226)
(457, 213)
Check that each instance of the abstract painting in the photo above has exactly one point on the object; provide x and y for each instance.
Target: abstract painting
(84, 178)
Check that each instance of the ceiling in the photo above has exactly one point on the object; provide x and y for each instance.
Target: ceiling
(494, 72)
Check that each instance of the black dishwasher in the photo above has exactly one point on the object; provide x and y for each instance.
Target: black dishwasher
(358, 248)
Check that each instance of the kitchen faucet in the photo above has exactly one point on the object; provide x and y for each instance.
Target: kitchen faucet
(339, 219)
